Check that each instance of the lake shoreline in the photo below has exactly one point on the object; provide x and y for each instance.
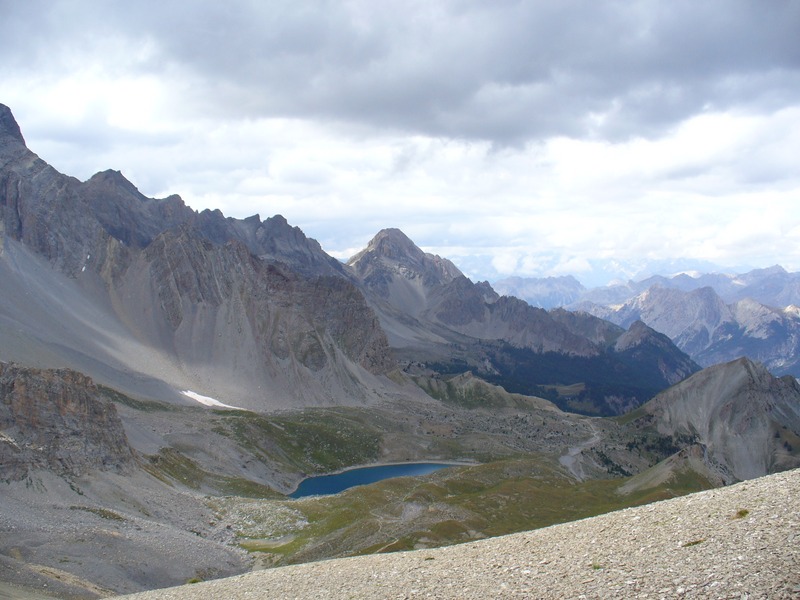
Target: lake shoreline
(449, 463)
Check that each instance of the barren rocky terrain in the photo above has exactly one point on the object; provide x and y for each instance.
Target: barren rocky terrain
(734, 542)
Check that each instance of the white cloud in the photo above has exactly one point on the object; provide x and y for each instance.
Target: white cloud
(505, 263)
(526, 138)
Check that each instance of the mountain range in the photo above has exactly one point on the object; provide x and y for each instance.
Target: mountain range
(151, 297)
(714, 318)
(167, 376)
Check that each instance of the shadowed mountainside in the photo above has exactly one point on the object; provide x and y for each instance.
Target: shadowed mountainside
(432, 313)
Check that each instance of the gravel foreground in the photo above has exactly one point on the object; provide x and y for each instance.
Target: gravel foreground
(737, 542)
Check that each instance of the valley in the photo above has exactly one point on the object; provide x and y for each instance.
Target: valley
(212, 482)
(168, 377)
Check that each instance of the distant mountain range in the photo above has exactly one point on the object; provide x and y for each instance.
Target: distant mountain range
(773, 286)
(712, 317)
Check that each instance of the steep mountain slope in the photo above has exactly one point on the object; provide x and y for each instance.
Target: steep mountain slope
(432, 313)
(141, 292)
(710, 331)
(746, 421)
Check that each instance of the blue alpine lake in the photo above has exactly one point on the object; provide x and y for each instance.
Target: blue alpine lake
(333, 484)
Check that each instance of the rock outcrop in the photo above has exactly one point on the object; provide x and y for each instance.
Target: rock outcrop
(58, 421)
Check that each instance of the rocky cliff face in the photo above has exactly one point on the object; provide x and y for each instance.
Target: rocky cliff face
(250, 322)
(57, 420)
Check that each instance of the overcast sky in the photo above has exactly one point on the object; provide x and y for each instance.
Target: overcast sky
(531, 138)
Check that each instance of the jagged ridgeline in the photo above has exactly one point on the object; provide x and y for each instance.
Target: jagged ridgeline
(151, 297)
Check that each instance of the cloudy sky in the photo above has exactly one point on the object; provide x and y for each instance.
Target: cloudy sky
(592, 138)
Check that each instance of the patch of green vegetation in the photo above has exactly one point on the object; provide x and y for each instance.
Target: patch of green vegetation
(142, 405)
(451, 506)
(103, 513)
(446, 391)
(632, 416)
(693, 543)
(567, 390)
(467, 391)
(311, 441)
(265, 545)
(170, 465)
(741, 513)
(689, 481)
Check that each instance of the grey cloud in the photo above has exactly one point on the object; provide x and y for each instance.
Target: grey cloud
(507, 72)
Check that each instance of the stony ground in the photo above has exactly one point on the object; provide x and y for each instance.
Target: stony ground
(737, 542)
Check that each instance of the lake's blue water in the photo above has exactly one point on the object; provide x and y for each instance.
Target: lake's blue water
(333, 484)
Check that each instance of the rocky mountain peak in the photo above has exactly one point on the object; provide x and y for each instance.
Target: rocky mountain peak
(392, 249)
(275, 239)
(773, 270)
(115, 180)
(396, 245)
(8, 125)
(637, 334)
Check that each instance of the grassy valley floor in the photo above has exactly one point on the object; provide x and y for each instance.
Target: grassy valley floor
(734, 542)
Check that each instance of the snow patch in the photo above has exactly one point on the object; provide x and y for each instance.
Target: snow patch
(9, 440)
(205, 400)
(694, 274)
(792, 310)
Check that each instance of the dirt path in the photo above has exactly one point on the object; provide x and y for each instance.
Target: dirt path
(736, 542)
(570, 458)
